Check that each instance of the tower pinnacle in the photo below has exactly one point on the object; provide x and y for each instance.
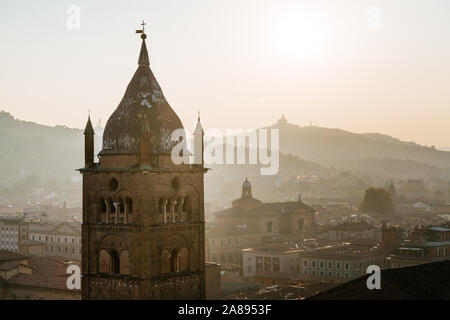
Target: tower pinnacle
(143, 56)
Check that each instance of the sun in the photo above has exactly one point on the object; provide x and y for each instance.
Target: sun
(299, 36)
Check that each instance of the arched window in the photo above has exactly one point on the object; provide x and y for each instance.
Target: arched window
(115, 262)
(112, 211)
(187, 204)
(124, 263)
(101, 217)
(129, 206)
(104, 263)
(121, 206)
(174, 261)
(269, 226)
(183, 259)
(187, 209)
(121, 211)
(165, 262)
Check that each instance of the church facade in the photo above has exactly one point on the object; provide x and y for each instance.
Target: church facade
(250, 222)
(143, 232)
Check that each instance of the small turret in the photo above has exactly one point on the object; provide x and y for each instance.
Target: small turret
(88, 144)
(246, 189)
(198, 142)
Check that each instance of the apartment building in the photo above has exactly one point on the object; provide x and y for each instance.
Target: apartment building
(339, 263)
(62, 239)
(12, 233)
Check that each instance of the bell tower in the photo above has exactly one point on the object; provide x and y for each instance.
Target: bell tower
(143, 232)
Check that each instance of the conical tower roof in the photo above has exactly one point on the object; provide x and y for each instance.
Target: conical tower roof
(89, 129)
(143, 99)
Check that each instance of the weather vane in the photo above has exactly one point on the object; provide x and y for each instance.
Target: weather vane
(143, 36)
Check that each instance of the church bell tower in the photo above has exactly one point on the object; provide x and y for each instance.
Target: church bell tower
(143, 232)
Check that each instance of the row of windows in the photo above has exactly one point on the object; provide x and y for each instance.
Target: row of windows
(232, 258)
(11, 229)
(41, 238)
(9, 236)
(111, 262)
(66, 250)
(9, 245)
(115, 212)
(329, 273)
(230, 241)
(9, 232)
(109, 211)
(267, 264)
(322, 264)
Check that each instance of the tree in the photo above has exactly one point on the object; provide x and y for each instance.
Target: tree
(377, 200)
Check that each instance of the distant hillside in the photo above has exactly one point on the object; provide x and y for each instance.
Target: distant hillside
(28, 148)
(333, 146)
(395, 168)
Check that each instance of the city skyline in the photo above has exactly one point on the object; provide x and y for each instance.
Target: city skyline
(228, 152)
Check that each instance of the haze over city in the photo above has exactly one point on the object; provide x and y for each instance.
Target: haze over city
(113, 186)
(318, 62)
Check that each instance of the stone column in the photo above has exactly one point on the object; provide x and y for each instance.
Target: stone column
(172, 209)
(116, 216)
(165, 210)
(180, 208)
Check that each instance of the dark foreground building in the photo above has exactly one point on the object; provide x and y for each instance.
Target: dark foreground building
(143, 216)
(426, 281)
(24, 277)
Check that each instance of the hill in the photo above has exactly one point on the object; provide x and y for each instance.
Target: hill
(33, 149)
(334, 146)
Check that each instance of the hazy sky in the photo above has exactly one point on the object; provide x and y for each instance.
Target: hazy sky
(242, 63)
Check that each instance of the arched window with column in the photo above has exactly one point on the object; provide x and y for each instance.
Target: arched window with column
(183, 258)
(179, 210)
(121, 208)
(174, 261)
(111, 211)
(186, 208)
(164, 210)
(104, 262)
(101, 210)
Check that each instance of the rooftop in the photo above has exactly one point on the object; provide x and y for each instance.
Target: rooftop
(47, 272)
(422, 282)
(8, 256)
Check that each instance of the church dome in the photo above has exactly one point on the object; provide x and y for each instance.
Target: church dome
(246, 184)
(143, 99)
